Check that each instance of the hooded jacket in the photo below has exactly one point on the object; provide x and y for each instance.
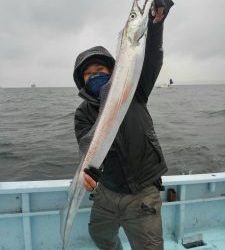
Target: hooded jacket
(135, 159)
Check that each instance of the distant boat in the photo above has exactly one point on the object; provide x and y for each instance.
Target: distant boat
(165, 85)
(33, 86)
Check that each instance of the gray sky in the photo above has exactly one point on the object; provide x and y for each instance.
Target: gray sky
(40, 39)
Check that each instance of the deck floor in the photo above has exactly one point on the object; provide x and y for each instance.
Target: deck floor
(214, 239)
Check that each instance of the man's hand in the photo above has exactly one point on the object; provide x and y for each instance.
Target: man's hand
(89, 183)
(157, 13)
(160, 9)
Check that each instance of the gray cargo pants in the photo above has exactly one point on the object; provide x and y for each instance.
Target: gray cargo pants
(138, 214)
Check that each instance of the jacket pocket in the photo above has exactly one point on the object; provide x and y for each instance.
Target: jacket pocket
(153, 143)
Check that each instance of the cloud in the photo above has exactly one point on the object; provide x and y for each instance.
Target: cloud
(40, 40)
(197, 29)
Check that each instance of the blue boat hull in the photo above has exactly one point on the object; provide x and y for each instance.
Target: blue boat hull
(195, 219)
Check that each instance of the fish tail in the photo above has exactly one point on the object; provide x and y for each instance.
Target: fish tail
(63, 217)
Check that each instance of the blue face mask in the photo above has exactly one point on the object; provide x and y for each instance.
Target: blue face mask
(96, 81)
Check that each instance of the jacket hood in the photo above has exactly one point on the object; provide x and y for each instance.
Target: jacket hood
(98, 52)
(89, 98)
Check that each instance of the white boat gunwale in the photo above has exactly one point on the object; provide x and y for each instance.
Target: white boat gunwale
(63, 185)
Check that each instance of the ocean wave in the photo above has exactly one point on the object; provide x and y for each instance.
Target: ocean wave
(215, 113)
(71, 114)
(9, 155)
(193, 149)
(6, 144)
(220, 112)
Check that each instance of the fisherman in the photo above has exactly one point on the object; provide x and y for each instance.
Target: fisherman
(126, 189)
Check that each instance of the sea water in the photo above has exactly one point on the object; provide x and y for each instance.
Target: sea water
(37, 140)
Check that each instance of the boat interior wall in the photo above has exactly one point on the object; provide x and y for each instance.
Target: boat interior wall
(29, 214)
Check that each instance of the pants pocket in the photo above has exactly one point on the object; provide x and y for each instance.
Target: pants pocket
(150, 202)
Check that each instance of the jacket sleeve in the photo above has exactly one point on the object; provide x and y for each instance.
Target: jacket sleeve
(153, 53)
(152, 62)
(81, 126)
(83, 133)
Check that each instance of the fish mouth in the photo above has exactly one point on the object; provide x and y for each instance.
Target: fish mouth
(144, 10)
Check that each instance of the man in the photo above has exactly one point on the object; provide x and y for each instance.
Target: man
(129, 182)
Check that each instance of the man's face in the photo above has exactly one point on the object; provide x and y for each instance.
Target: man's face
(93, 69)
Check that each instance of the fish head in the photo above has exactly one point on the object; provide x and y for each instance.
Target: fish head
(136, 25)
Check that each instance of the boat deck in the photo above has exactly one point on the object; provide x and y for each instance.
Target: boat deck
(195, 219)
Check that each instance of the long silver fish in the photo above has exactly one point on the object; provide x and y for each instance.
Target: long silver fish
(115, 101)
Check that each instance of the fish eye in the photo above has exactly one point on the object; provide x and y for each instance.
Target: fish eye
(133, 15)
